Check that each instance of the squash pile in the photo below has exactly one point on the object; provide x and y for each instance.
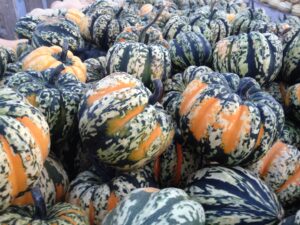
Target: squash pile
(151, 112)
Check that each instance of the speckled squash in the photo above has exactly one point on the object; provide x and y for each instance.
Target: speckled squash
(280, 169)
(57, 96)
(55, 31)
(292, 220)
(3, 61)
(229, 119)
(290, 71)
(145, 62)
(290, 133)
(234, 196)
(53, 184)
(43, 58)
(167, 206)
(80, 19)
(189, 49)
(11, 69)
(97, 196)
(117, 111)
(253, 55)
(292, 101)
(277, 90)
(24, 144)
(175, 25)
(61, 213)
(23, 49)
(26, 25)
(293, 21)
(95, 69)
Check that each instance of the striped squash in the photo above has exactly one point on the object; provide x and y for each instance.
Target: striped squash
(26, 25)
(56, 95)
(95, 69)
(232, 196)
(175, 25)
(292, 101)
(146, 62)
(54, 31)
(61, 213)
(253, 55)
(280, 169)
(53, 184)
(97, 196)
(189, 49)
(290, 71)
(167, 206)
(121, 125)
(44, 57)
(228, 119)
(277, 90)
(290, 133)
(24, 145)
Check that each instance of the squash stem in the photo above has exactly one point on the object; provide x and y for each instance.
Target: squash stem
(158, 92)
(39, 204)
(119, 12)
(144, 30)
(64, 52)
(55, 73)
(252, 5)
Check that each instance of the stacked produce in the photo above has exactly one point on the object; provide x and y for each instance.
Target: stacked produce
(151, 112)
(286, 6)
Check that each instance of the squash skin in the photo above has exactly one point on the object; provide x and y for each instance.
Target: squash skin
(292, 101)
(253, 55)
(24, 144)
(295, 219)
(230, 98)
(168, 206)
(26, 25)
(225, 194)
(115, 113)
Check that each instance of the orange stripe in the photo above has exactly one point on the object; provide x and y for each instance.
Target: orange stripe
(118, 123)
(32, 100)
(60, 193)
(156, 169)
(150, 189)
(190, 95)
(140, 153)
(276, 151)
(105, 91)
(294, 179)
(70, 220)
(259, 137)
(17, 176)
(74, 211)
(25, 199)
(297, 87)
(177, 177)
(203, 116)
(91, 213)
(112, 202)
(41, 139)
(282, 89)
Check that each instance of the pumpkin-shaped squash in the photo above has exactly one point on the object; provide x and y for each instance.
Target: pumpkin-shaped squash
(43, 58)
(80, 19)
(292, 101)
(55, 31)
(175, 25)
(292, 220)
(167, 206)
(290, 71)
(57, 96)
(234, 196)
(26, 25)
(97, 196)
(61, 213)
(277, 90)
(95, 69)
(280, 169)
(53, 184)
(117, 111)
(229, 119)
(253, 55)
(24, 144)
(189, 49)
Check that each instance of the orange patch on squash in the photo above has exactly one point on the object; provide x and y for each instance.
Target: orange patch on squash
(91, 213)
(32, 100)
(105, 91)
(117, 124)
(293, 179)
(150, 189)
(156, 169)
(203, 116)
(69, 219)
(259, 137)
(190, 96)
(276, 151)
(178, 165)
(60, 192)
(112, 202)
(298, 92)
(41, 139)
(25, 199)
(140, 153)
(17, 176)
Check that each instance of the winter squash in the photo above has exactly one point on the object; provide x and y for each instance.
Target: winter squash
(53, 184)
(291, 52)
(295, 219)
(57, 96)
(55, 31)
(136, 119)
(79, 19)
(229, 119)
(253, 55)
(175, 25)
(234, 196)
(61, 213)
(3, 61)
(26, 25)
(189, 49)
(24, 145)
(43, 58)
(280, 169)
(290, 133)
(96, 69)
(97, 196)
(292, 101)
(167, 206)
